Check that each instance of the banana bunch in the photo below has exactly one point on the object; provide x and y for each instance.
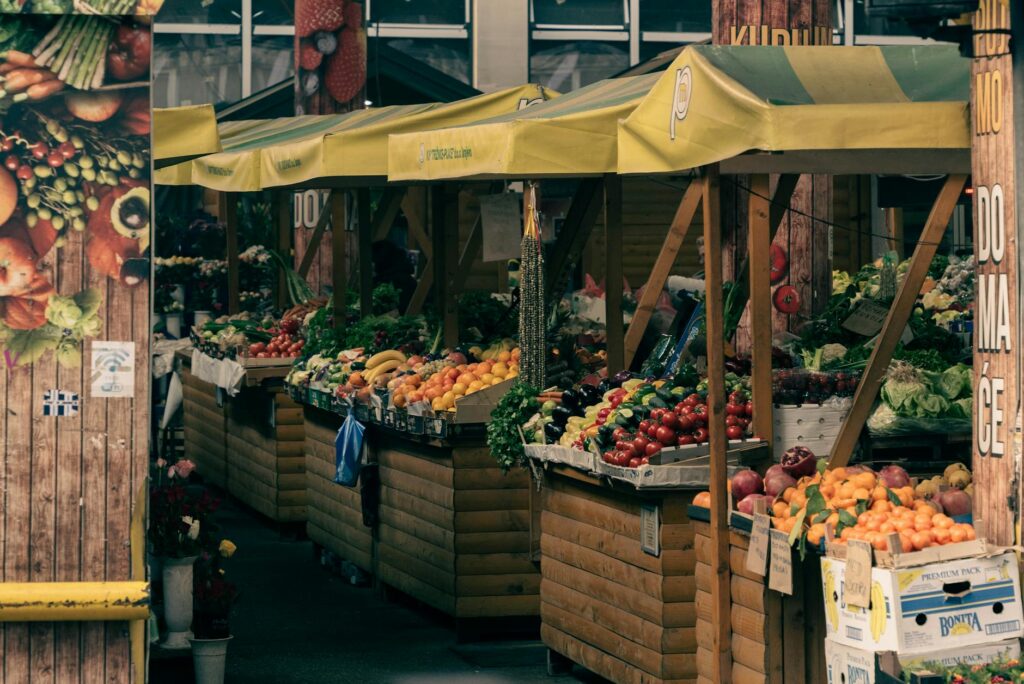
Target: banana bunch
(877, 617)
(831, 609)
(493, 351)
(381, 363)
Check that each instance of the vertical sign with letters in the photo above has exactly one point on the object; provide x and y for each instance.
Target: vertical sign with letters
(996, 365)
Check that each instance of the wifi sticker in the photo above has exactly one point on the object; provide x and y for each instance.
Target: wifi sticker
(112, 371)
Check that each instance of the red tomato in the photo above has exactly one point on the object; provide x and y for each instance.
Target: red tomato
(634, 463)
(734, 432)
(701, 435)
(666, 435)
(685, 440)
(685, 424)
(669, 419)
(652, 448)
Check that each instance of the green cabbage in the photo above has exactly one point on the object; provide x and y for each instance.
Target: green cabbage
(882, 418)
(902, 395)
(956, 382)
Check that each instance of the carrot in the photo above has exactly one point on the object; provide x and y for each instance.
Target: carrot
(45, 89)
(19, 79)
(7, 67)
(20, 59)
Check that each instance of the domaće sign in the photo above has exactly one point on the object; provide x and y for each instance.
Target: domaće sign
(997, 454)
(74, 308)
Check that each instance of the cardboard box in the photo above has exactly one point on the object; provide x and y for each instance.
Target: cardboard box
(849, 665)
(928, 608)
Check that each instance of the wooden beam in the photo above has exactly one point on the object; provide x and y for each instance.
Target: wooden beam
(414, 206)
(896, 321)
(613, 273)
(339, 256)
(387, 211)
(572, 237)
(365, 252)
(721, 601)
(894, 229)
(759, 255)
(281, 207)
(444, 227)
(470, 251)
(685, 212)
(316, 238)
(229, 214)
(419, 295)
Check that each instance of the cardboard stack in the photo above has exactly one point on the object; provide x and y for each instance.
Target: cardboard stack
(947, 605)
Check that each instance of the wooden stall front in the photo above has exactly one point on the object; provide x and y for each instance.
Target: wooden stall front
(454, 530)
(775, 638)
(606, 604)
(206, 423)
(334, 516)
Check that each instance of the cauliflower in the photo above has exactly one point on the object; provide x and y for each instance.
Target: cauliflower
(832, 352)
(841, 280)
(936, 299)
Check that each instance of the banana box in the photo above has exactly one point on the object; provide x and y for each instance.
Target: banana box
(927, 608)
(848, 665)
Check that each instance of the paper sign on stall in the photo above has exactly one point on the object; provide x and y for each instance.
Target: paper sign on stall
(650, 530)
(867, 319)
(780, 576)
(501, 222)
(757, 553)
(112, 369)
(857, 581)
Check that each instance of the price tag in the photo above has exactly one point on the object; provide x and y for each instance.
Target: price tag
(857, 578)
(867, 319)
(650, 529)
(389, 418)
(780, 575)
(416, 425)
(401, 421)
(757, 554)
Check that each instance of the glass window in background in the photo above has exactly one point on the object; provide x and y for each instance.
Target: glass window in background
(193, 12)
(675, 16)
(196, 69)
(272, 60)
(650, 50)
(579, 12)
(569, 65)
(418, 11)
(450, 56)
(272, 12)
(863, 25)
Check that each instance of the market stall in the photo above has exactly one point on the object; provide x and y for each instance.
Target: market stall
(183, 133)
(794, 110)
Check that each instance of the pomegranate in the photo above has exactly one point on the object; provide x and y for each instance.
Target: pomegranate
(747, 504)
(799, 462)
(894, 477)
(777, 483)
(745, 483)
(954, 502)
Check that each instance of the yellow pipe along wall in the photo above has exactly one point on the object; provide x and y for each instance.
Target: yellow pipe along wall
(73, 601)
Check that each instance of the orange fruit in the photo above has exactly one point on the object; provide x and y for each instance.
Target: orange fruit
(887, 528)
(906, 542)
(880, 542)
(922, 523)
(838, 473)
(866, 480)
(787, 495)
(780, 509)
(957, 534)
(920, 540)
(702, 499)
(816, 533)
(861, 494)
(941, 535)
(827, 490)
(881, 506)
(969, 530)
(942, 520)
(879, 494)
(800, 499)
(832, 520)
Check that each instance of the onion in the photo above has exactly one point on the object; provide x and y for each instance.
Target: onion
(745, 483)
(894, 477)
(955, 502)
(799, 462)
(778, 482)
(746, 505)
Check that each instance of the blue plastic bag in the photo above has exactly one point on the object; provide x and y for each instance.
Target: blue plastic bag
(348, 452)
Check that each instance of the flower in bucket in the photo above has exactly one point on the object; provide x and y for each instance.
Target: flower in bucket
(193, 526)
(183, 468)
(227, 548)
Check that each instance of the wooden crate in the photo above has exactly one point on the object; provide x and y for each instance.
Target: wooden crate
(334, 515)
(265, 462)
(454, 530)
(605, 603)
(206, 425)
(775, 638)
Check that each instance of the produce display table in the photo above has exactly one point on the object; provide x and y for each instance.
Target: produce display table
(775, 638)
(454, 530)
(206, 422)
(266, 466)
(606, 604)
(334, 517)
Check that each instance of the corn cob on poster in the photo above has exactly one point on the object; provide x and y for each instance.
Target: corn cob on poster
(74, 148)
(330, 56)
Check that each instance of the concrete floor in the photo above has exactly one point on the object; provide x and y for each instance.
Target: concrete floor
(296, 623)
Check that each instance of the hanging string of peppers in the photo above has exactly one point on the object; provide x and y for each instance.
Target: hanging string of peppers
(531, 298)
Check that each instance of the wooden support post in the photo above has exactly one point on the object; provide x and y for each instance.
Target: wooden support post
(759, 256)
(896, 321)
(414, 206)
(613, 273)
(317, 237)
(365, 252)
(470, 251)
(894, 229)
(387, 212)
(229, 214)
(721, 602)
(685, 212)
(444, 214)
(339, 256)
(572, 238)
(282, 215)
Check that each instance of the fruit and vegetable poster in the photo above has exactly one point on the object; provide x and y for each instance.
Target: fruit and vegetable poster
(75, 220)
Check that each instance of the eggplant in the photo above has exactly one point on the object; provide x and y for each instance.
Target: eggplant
(553, 432)
(604, 385)
(571, 399)
(589, 395)
(621, 377)
(560, 415)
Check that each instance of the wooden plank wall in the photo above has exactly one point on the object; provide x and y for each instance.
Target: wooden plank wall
(851, 207)
(206, 426)
(455, 530)
(334, 517)
(605, 604)
(69, 484)
(265, 462)
(775, 638)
